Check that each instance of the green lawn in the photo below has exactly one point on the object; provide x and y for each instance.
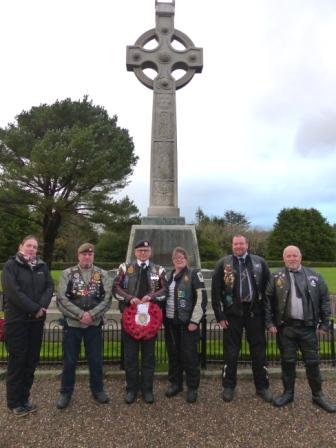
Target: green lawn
(55, 276)
(329, 275)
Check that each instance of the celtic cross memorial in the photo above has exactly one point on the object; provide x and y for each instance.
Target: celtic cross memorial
(163, 225)
(164, 59)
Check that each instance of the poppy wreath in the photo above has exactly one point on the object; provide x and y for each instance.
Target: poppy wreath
(144, 332)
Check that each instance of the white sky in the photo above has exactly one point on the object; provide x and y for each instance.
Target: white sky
(256, 129)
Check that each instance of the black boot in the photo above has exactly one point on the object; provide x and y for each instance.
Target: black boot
(315, 383)
(288, 379)
(323, 402)
(285, 398)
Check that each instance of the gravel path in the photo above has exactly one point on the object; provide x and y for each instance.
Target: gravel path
(247, 422)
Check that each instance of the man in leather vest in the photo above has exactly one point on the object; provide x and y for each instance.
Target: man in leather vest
(238, 292)
(84, 296)
(137, 283)
(297, 302)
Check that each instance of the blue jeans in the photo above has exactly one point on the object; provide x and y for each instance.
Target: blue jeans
(93, 343)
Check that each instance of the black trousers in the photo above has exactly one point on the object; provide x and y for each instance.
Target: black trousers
(139, 378)
(23, 343)
(182, 347)
(292, 338)
(255, 334)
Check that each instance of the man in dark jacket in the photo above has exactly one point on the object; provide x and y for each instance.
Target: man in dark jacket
(138, 283)
(238, 292)
(297, 302)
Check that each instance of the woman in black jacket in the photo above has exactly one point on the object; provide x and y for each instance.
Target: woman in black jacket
(28, 289)
(184, 310)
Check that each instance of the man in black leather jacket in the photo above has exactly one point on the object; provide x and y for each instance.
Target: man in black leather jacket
(238, 292)
(297, 302)
(139, 282)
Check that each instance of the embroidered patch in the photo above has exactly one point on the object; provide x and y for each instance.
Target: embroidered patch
(280, 281)
(130, 269)
(96, 276)
(313, 283)
(183, 303)
(228, 275)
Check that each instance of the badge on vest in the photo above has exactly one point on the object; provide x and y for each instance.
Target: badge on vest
(280, 281)
(228, 275)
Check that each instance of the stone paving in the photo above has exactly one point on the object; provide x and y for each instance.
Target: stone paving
(247, 422)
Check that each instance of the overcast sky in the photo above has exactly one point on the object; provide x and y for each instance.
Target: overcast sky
(256, 129)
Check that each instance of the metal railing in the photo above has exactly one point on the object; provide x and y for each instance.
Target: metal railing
(211, 346)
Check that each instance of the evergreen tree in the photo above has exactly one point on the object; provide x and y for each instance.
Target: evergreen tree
(305, 228)
(63, 159)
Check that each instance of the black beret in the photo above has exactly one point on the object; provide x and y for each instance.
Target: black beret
(142, 243)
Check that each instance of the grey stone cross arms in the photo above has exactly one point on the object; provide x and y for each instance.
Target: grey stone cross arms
(164, 59)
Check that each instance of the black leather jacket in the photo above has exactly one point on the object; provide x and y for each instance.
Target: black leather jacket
(278, 296)
(224, 294)
(126, 283)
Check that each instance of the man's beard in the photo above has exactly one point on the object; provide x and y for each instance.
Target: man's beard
(86, 266)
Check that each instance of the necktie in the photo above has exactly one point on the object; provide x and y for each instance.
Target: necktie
(244, 287)
(293, 275)
(143, 281)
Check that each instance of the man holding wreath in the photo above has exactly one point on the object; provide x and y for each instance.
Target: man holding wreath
(140, 286)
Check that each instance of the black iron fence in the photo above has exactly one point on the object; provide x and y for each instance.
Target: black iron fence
(211, 346)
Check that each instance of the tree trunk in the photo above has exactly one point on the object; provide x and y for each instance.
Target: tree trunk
(51, 224)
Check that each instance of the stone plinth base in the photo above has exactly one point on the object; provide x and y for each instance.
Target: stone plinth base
(164, 239)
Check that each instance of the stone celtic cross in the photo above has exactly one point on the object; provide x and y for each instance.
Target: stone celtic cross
(164, 59)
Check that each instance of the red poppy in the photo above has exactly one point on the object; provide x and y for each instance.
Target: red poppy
(137, 331)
